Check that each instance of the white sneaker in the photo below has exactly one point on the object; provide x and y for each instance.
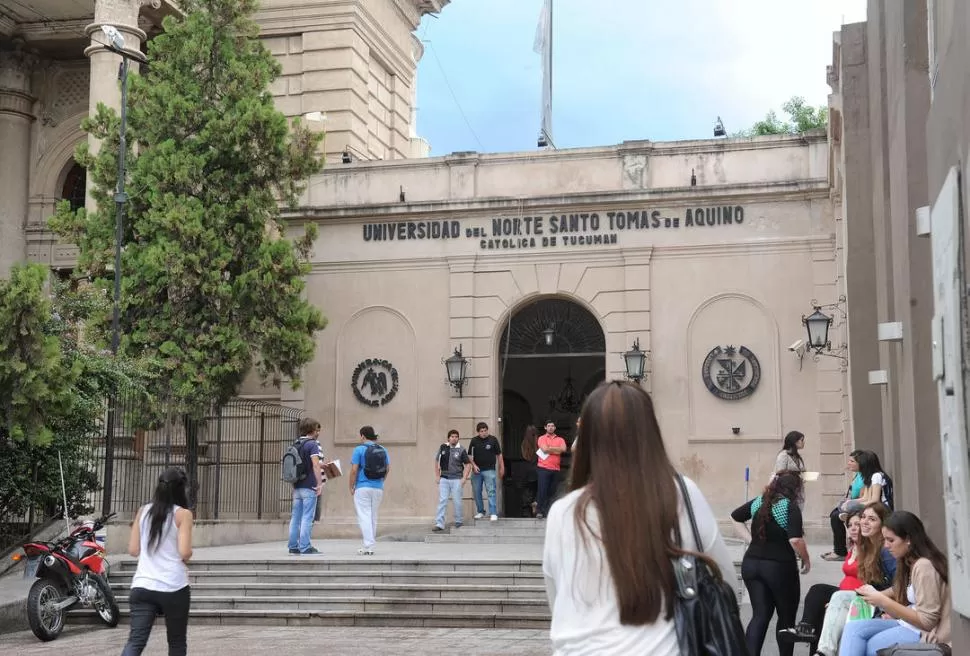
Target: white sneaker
(479, 515)
(493, 518)
(365, 552)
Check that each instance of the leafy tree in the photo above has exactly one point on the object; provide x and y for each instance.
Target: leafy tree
(53, 392)
(35, 378)
(211, 285)
(802, 118)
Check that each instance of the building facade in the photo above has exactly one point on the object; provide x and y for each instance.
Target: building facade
(899, 139)
(543, 269)
(348, 66)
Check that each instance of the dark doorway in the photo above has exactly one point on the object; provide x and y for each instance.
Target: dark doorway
(552, 354)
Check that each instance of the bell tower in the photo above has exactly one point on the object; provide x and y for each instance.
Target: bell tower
(349, 68)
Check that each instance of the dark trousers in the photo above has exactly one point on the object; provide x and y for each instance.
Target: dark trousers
(774, 587)
(145, 606)
(838, 533)
(813, 612)
(545, 494)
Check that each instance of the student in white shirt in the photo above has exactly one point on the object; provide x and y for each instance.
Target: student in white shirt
(606, 558)
(161, 539)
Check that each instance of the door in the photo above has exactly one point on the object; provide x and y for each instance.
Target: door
(948, 371)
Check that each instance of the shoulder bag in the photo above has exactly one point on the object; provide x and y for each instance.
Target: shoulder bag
(706, 613)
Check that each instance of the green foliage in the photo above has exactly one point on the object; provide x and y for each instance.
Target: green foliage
(211, 286)
(35, 379)
(802, 118)
(53, 392)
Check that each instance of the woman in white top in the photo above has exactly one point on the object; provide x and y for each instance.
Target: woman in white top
(789, 458)
(608, 542)
(161, 539)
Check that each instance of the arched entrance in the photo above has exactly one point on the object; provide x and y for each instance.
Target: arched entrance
(552, 353)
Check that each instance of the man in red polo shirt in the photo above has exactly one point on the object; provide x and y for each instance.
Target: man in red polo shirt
(551, 448)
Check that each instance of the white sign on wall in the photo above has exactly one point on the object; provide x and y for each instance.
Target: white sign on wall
(948, 372)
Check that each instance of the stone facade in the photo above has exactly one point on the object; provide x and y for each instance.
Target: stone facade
(733, 259)
(349, 67)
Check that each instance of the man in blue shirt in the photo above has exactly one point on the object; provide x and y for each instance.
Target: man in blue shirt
(305, 492)
(370, 466)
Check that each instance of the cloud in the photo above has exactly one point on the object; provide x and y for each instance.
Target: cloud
(624, 69)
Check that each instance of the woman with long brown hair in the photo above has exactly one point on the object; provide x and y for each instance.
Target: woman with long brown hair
(609, 542)
(769, 567)
(529, 482)
(917, 609)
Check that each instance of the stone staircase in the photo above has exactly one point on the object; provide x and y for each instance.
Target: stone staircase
(365, 591)
(502, 531)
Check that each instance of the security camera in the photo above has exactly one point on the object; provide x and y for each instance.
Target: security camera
(797, 344)
(114, 36)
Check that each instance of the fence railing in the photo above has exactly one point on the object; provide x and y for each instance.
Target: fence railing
(232, 457)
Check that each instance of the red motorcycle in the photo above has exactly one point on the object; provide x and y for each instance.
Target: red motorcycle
(71, 572)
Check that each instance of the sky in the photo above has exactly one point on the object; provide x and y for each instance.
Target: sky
(623, 69)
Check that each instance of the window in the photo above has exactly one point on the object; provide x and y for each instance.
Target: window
(74, 186)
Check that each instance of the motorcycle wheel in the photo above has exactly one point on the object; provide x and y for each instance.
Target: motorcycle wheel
(105, 604)
(46, 622)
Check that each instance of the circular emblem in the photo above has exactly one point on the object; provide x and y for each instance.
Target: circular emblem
(375, 382)
(731, 373)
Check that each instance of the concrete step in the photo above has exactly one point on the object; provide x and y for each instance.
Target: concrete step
(318, 564)
(362, 604)
(234, 617)
(509, 531)
(458, 537)
(363, 576)
(365, 590)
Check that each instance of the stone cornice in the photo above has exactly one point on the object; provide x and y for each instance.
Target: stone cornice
(680, 196)
(16, 103)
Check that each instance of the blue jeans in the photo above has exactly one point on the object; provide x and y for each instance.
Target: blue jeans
(488, 477)
(866, 637)
(448, 488)
(301, 523)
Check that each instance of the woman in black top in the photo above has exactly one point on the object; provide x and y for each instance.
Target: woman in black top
(769, 568)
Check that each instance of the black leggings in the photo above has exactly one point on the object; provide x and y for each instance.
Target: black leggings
(546, 493)
(773, 586)
(838, 534)
(145, 606)
(814, 610)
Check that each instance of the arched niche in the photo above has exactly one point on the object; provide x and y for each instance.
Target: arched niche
(375, 349)
(733, 320)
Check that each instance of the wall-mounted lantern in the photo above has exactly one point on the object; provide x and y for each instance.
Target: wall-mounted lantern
(817, 326)
(635, 361)
(457, 368)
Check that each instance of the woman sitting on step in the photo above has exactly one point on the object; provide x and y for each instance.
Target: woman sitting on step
(608, 542)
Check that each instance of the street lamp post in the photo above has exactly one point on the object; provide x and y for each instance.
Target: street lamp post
(116, 44)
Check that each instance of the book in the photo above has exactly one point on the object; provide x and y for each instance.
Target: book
(332, 469)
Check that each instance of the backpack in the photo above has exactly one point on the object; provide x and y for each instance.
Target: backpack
(375, 462)
(887, 492)
(293, 465)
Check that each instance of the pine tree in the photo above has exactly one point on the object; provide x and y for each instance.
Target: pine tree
(211, 285)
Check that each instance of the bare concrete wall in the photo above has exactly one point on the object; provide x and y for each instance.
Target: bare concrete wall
(860, 268)
(948, 142)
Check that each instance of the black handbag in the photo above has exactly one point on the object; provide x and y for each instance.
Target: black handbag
(706, 613)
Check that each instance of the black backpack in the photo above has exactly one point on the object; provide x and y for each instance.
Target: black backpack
(375, 462)
(887, 492)
(293, 465)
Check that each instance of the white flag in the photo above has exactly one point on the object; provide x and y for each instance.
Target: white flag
(539, 46)
(543, 46)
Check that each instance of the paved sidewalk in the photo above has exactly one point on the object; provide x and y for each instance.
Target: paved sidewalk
(246, 640)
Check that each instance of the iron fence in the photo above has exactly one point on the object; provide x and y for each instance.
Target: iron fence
(232, 457)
